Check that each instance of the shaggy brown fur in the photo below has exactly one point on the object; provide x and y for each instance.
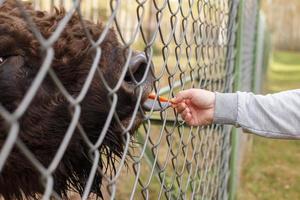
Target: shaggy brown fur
(45, 122)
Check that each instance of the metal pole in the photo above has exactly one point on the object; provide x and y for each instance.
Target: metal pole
(257, 51)
(234, 134)
(258, 73)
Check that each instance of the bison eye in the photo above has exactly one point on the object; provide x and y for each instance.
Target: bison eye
(2, 60)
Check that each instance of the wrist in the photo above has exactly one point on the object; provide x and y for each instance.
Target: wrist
(210, 115)
(212, 109)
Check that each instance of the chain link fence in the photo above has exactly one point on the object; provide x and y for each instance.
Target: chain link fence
(253, 49)
(74, 78)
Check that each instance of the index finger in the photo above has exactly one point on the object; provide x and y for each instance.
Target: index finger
(182, 95)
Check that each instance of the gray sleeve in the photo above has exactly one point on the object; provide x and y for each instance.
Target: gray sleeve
(274, 115)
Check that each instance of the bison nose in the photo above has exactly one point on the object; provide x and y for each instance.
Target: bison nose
(137, 68)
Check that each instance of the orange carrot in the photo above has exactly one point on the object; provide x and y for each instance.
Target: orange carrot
(161, 99)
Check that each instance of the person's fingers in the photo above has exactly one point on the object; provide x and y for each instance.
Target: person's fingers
(175, 105)
(188, 101)
(185, 94)
(188, 119)
(181, 107)
(185, 111)
(184, 115)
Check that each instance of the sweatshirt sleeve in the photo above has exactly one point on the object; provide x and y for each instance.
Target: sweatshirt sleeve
(274, 115)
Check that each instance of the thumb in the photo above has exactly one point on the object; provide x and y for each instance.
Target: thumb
(185, 94)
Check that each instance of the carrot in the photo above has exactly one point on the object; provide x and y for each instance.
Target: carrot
(161, 99)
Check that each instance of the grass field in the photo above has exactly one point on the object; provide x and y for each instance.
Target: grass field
(284, 71)
(271, 170)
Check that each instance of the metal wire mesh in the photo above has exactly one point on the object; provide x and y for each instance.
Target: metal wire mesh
(249, 76)
(190, 43)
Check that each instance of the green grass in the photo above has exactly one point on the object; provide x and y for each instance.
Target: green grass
(284, 71)
(285, 57)
(271, 171)
(272, 168)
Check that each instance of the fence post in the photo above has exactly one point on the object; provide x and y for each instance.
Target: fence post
(247, 65)
(259, 53)
(234, 134)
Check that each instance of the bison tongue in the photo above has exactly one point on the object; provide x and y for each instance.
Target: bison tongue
(150, 104)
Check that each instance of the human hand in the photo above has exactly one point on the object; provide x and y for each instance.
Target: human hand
(196, 106)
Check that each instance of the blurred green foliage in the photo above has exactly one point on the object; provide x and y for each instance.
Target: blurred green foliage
(284, 71)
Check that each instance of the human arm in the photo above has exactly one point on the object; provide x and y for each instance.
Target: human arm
(274, 115)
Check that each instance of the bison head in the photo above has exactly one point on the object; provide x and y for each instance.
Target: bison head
(46, 120)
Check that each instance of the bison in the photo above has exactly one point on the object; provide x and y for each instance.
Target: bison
(45, 122)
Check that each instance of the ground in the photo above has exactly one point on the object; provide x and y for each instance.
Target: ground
(271, 170)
